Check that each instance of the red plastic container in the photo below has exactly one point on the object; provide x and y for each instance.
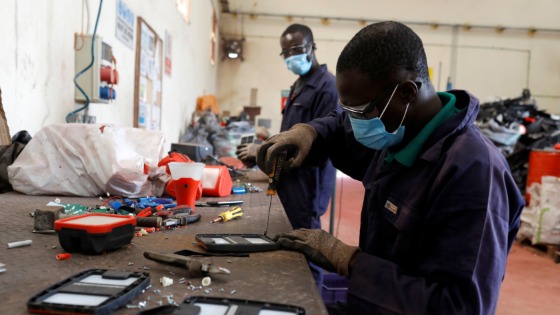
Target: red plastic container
(542, 163)
(216, 181)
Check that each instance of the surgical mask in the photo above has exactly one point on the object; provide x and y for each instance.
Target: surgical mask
(299, 64)
(372, 133)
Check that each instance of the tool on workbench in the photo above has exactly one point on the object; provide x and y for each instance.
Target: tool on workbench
(273, 178)
(149, 222)
(219, 203)
(166, 217)
(169, 212)
(232, 213)
(195, 266)
(147, 212)
(181, 219)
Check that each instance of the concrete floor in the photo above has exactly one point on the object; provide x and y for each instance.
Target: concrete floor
(532, 281)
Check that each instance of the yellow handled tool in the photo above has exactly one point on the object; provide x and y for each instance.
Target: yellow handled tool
(273, 177)
(232, 213)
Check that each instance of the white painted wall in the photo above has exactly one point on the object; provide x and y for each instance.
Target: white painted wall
(37, 54)
(37, 61)
(489, 64)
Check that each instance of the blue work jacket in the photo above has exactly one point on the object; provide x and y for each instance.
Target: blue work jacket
(434, 236)
(305, 192)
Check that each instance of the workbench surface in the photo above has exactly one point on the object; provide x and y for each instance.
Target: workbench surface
(277, 276)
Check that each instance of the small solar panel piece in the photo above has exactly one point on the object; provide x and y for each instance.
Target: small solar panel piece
(247, 138)
(94, 291)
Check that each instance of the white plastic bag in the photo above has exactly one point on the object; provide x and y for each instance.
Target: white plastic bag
(541, 220)
(83, 159)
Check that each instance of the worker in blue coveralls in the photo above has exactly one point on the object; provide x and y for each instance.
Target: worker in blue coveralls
(305, 192)
(441, 208)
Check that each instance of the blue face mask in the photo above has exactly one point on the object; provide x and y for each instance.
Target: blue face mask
(372, 133)
(299, 64)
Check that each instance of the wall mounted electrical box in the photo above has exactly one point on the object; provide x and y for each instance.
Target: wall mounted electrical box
(97, 82)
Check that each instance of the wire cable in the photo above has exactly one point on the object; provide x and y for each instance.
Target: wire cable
(86, 68)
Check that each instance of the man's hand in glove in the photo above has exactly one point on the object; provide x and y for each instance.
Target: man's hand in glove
(320, 247)
(247, 153)
(297, 139)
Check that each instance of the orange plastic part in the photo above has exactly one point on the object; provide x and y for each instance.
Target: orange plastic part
(63, 256)
(216, 181)
(170, 188)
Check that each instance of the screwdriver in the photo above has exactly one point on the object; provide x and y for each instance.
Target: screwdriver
(232, 213)
(273, 177)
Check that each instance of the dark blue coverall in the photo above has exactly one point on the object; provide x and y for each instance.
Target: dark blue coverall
(305, 192)
(434, 236)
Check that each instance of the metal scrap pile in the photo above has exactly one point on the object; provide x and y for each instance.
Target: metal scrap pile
(516, 126)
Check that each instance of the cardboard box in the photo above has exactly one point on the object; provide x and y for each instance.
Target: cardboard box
(5, 138)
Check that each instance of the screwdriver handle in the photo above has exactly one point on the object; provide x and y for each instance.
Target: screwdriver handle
(233, 213)
(273, 177)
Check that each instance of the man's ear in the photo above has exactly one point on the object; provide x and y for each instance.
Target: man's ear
(408, 91)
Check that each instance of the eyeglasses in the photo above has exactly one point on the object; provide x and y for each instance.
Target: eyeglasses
(360, 111)
(295, 50)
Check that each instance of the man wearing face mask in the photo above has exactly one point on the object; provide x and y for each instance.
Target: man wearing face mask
(441, 209)
(305, 192)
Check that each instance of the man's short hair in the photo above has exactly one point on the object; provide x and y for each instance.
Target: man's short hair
(300, 28)
(379, 49)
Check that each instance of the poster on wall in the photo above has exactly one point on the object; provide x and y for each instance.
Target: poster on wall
(124, 26)
(147, 84)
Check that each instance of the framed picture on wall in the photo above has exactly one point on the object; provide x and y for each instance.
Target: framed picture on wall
(148, 77)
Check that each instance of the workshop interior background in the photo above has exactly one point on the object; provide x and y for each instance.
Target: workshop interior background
(494, 49)
(505, 52)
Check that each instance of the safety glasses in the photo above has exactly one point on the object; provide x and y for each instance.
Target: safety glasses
(360, 111)
(295, 50)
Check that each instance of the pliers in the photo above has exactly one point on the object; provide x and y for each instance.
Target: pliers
(195, 267)
(178, 216)
(147, 212)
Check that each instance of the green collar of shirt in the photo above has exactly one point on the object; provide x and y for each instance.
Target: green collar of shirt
(407, 155)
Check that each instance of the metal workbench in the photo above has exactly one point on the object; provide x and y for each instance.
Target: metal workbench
(277, 277)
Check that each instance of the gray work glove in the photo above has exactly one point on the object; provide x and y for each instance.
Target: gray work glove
(247, 153)
(297, 140)
(320, 248)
